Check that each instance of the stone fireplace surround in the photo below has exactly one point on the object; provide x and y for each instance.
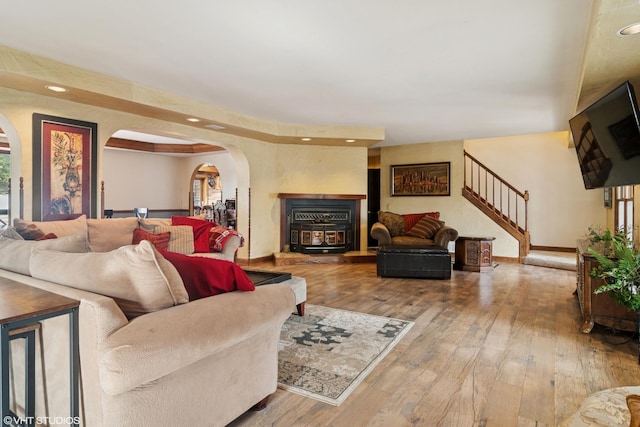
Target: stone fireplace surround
(330, 223)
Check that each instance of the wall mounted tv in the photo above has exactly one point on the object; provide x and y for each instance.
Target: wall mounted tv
(607, 140)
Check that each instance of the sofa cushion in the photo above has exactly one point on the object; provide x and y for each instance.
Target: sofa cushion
(15, 254)
(137, 277)
(393, 221)
(67, 227)
(411, 219)
(204, 277)
(201, 231)
(160, 241)
(181, 240)
(426, 228)
(107, 234)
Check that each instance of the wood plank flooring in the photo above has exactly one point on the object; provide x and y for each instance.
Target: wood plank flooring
(501, 348)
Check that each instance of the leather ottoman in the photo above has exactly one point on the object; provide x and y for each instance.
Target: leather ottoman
(424, 261)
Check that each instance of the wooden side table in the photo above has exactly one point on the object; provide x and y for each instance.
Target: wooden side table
(474, 254)
(21, 308)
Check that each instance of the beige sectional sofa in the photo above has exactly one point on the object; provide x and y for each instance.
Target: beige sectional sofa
(108, 234)
(148, 356)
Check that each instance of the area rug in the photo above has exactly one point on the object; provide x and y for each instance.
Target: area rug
(328, 352)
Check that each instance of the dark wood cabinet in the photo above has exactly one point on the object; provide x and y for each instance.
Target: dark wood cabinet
(598, 308)
(474, 253)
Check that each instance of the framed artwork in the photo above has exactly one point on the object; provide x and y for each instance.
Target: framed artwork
(421, 179)
(65, 183)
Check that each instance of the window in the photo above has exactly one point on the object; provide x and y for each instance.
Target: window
(197, 191)
(624, 210)
(5, 173)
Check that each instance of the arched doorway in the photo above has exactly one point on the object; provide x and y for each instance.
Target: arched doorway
(207, 198)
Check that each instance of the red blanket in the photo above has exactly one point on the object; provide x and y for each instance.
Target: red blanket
(204, 277)
(218, 235)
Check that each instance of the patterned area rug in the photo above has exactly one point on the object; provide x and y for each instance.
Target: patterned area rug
(328, 352)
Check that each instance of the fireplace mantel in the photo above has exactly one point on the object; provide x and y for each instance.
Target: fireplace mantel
(322, 196)
(339, 202)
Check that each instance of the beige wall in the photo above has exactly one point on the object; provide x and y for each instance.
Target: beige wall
(323, 170)
(454, 210)
(560, 209)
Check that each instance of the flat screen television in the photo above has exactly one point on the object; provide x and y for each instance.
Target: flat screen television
(607, 140)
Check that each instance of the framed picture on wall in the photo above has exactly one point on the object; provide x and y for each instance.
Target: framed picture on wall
(64, 168)
(421, 179)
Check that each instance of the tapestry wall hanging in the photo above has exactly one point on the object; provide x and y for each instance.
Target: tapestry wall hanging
(420, 179)
(64, 168)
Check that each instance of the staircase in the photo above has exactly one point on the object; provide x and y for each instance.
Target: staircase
(499, 200)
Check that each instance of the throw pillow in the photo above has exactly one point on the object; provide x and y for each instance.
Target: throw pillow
(63, 228)
(150, 224)
(394, 222)
(29, 231)
(15, 254)
(137, 277)
(48, 236)
(201, 230)
(204, 277)
(181, 240)
(107, 234)
(426, 228)
(160, 241)
(411, 219)
(10, 233)
(218, 235)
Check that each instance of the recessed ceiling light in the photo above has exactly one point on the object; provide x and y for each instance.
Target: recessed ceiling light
(215, 127)
(193, 120)
(350, 140)
(306, 139)
(630, 30)
(56, 88)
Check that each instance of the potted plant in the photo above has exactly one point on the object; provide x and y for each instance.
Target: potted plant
(619, 267)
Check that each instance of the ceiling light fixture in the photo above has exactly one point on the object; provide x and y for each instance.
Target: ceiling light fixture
(306, 139)
(56, 88)
(193, 120)
(350, 140)
(630, 30)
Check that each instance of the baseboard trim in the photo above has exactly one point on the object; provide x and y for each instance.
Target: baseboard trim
(552, 249)
(245, 262)
(505, 259)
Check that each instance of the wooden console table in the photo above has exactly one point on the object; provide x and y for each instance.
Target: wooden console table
(21, 308)
(474, 254)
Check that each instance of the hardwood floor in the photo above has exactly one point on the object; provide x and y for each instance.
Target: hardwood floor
(501, 348)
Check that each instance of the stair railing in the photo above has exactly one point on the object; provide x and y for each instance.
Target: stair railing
(497, 195)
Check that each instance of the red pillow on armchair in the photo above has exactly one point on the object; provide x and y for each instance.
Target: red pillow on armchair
(204, 277)
(201, 229)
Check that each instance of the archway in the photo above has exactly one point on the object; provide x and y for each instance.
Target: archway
(207, 198)
(150, 183)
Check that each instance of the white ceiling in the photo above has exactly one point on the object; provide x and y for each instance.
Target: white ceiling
(424, 70)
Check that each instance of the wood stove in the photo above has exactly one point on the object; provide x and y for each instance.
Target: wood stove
(320, 224)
